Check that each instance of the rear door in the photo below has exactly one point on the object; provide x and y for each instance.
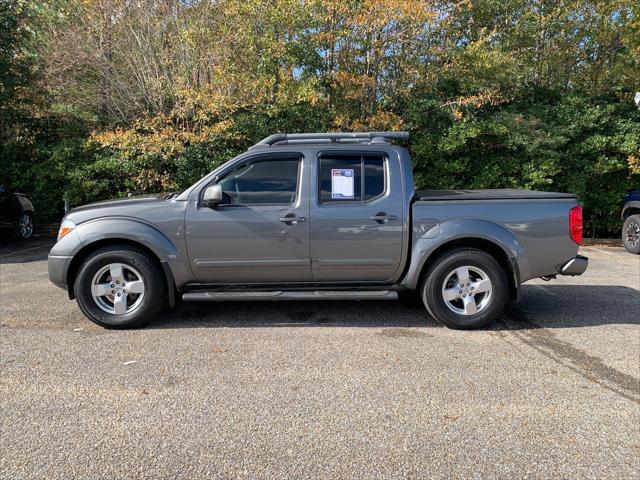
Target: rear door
(260, 232)
(356, 218)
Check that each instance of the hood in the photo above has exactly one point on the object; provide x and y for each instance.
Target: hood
(142, 207)
(121, 202)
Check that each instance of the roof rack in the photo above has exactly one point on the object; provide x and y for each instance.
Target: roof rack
(343, 137)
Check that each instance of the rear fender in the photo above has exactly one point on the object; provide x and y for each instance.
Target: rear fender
(429, 236)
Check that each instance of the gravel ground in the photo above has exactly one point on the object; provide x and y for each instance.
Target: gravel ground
(322, 390)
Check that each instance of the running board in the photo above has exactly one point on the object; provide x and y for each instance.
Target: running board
(280, 295)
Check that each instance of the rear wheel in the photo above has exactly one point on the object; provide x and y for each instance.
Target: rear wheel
(24, 227)
(631, 234)
(120, 287)
(465, 289)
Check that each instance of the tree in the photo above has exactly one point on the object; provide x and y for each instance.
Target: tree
(14, 66)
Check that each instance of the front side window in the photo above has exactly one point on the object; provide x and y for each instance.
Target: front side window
(262, 182)
(351, 178)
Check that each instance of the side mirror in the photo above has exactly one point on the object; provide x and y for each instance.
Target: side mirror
(212, 196)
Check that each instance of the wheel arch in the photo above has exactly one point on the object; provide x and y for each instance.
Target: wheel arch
(88, 249)
(631, 208)
(487, 236)
(496, 251)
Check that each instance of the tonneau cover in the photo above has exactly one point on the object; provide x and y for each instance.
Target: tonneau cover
(496, 194)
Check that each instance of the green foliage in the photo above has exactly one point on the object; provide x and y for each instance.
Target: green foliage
(14, 67)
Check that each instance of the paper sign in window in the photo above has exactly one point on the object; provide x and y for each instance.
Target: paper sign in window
(341, 183)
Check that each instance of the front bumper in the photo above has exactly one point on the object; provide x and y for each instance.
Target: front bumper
(58, 269)
(575, 266)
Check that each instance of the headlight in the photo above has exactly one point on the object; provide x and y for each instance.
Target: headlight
(65, 227)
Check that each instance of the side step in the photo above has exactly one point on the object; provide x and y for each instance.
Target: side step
(283, 295)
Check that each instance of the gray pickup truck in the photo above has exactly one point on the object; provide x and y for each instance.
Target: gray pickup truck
(316, 217)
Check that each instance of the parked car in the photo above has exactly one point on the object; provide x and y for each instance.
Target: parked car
(631, 219)
(316, 217)
(16, 214)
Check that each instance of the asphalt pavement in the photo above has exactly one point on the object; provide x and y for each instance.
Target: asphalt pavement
(322, 389)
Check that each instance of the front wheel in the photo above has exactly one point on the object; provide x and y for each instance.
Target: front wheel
(120, 287)
(631, 234)
(465, 289)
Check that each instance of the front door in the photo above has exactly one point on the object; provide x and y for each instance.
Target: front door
(260, 232)
(356, 220)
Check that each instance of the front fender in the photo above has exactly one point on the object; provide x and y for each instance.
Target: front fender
(429, 236)
(124, 228)
(634, 204)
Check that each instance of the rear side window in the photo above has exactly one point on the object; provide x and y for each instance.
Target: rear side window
(351, 178)
(373, 177)
(262, 182)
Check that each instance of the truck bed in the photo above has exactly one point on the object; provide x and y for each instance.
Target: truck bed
(496, 194)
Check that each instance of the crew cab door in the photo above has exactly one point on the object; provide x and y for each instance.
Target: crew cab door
(260, 231)
(356, 218)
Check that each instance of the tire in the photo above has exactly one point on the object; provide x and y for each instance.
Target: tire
(24, 227)
(631, 234)
(130, 309)
(456, 311)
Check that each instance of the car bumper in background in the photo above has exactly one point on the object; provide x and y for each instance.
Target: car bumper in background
(575, 266)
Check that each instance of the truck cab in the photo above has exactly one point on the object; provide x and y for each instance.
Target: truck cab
(303, 213)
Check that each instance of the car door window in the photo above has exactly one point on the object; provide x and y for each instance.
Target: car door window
(364, 173)
(373, 177)
(270, 182)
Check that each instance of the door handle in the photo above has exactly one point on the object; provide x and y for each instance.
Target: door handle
(383, 217)
(292, 219)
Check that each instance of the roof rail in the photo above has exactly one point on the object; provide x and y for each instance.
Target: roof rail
(350, 137)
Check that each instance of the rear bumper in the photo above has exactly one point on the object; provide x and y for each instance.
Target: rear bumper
(58, 268)
(575, 266)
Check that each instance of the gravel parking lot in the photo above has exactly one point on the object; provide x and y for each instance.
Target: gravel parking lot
(322, 390)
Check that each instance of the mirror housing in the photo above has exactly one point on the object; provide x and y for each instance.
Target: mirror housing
(212, 196)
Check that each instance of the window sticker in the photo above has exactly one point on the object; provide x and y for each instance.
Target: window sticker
(342, 183)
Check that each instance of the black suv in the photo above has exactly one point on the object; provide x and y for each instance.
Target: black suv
(16, 214)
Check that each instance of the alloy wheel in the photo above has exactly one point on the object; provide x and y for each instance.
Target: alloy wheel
(633, 234)
(117, 288)
(467, 290)
(25, 226)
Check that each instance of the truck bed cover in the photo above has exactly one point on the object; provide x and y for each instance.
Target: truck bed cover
(495, 194)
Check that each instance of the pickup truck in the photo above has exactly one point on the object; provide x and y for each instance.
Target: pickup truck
(327, 216)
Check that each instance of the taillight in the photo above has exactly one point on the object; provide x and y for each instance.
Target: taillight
(575, 224)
